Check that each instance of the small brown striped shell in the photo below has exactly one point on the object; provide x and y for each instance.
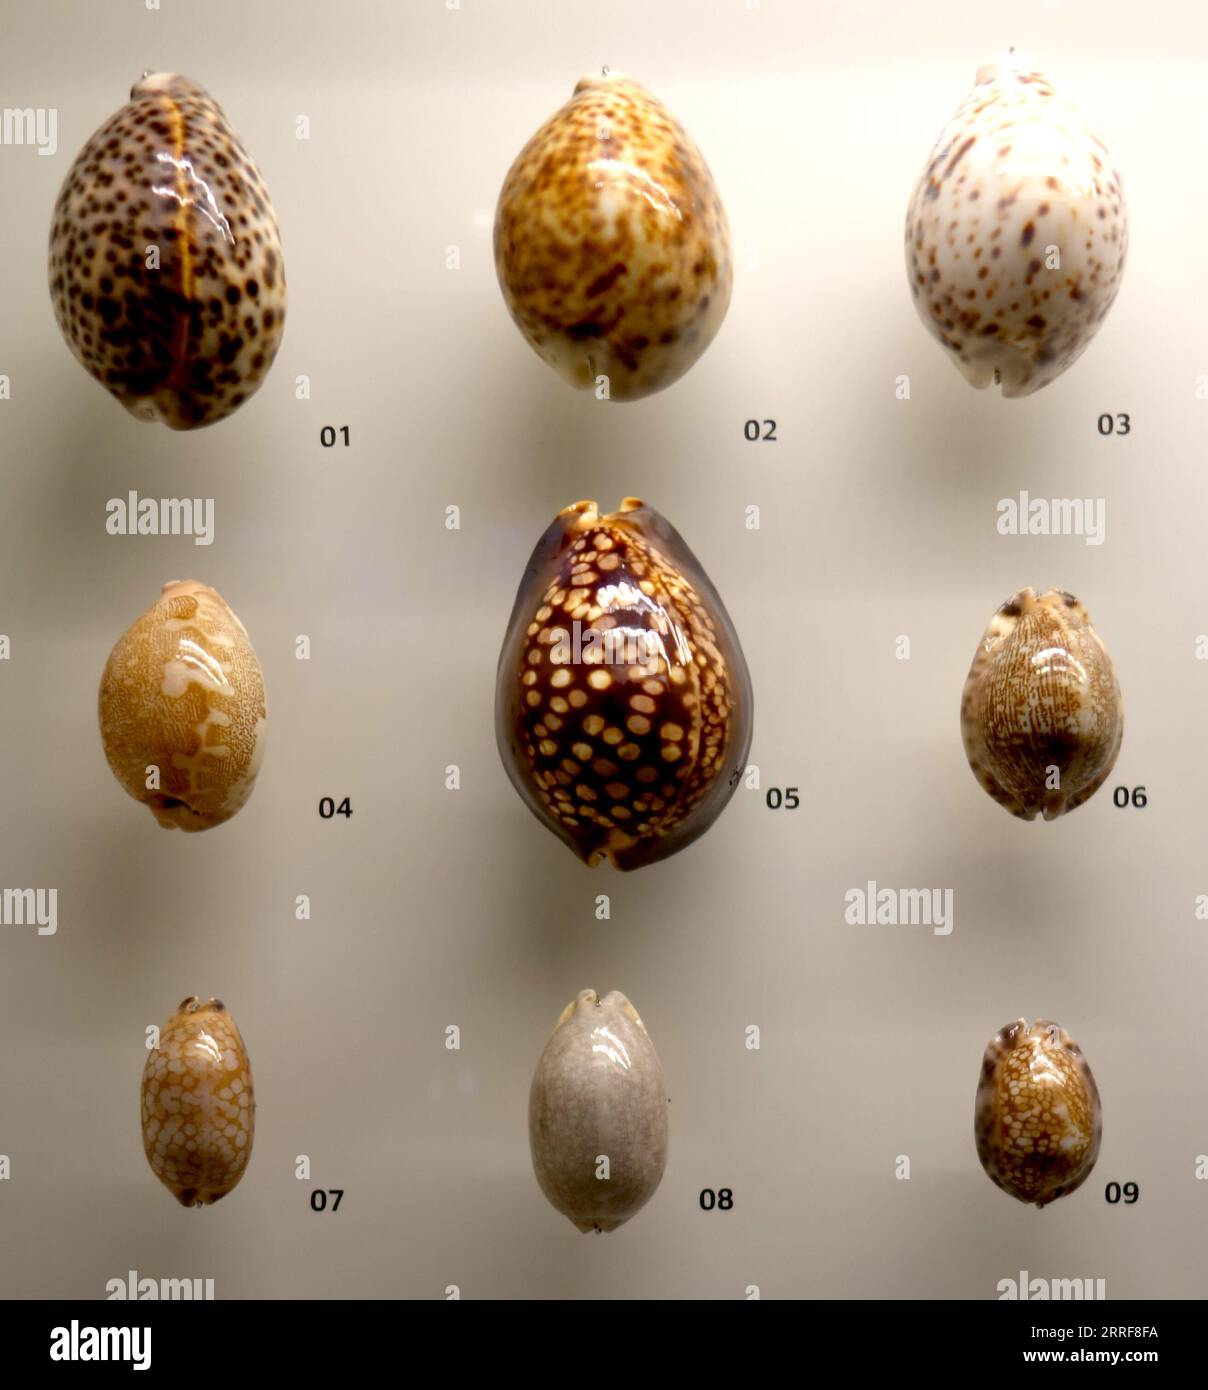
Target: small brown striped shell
(1038, 1119)
(182, 692)
(612, 246)
(629, 744)
(1041, 714)
(166, 270)
(198, 1105)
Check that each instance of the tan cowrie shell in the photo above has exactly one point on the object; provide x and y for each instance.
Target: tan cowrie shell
(598, 1113)
(1038, 1121)
(182, 704)
(1017, 230)
(1041, 714)
(198, 1106)
(622, 702)
(166, 271)
(612, 247)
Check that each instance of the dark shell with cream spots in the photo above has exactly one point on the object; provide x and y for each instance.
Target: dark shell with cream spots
(623, 705)
(611, 243)
(188, 342)
(1017, 231)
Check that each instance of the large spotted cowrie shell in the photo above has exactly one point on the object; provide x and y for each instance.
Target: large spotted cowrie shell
(166, 271)
(182, 709)
(1041, 714)
(1017, 230)
(1038, 1120)
(623, 706)
(612, 247)
(598, 1113)
(198, 1105)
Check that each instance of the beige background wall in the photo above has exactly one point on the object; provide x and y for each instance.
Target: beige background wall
(434, 908)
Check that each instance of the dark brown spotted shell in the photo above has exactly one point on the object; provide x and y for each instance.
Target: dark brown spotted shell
(166, 270)
(622, 705)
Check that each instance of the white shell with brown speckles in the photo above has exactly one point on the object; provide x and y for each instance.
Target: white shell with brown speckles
(1041, 714)
(1017, 230)
(611, 243)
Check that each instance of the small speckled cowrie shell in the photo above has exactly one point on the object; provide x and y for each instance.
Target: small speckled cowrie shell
(611, 243)
(183, 693)
(598, 1093)
(166, 270)
(1041, 714)
(198, 1106)
(622, 702)
(1038, 1119)
(1017, 230)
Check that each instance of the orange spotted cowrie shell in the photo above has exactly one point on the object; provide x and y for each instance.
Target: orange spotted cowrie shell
(182, 706)
(1038, 1119)
(1017, 230)
(598, 1113)
(1041, 714)
(166, 270)
(198, 1106)
(611, 243)
(623, 706)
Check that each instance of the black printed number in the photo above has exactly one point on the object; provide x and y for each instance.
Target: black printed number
(329, 434)
(328, 807)
(760, 431)
(1115, 424)
(722, 1199)
(318, 1198)
(787, 798)
(1123, 797)
(1130, 1193)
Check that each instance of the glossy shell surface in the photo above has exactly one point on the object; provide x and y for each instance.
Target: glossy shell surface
(198, 1106)
(611, 243)
(1041, 715)
(183, 692)
(1038, 1119)
(166, 271)
(598, 1093)
(623, 705)
(1017, 230)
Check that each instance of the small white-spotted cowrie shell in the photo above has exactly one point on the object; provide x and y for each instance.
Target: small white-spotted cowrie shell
(198, 1106)
(182, 709)
(1041, 713)
(1017, 230)
(1038, 1121)
(598, 1113)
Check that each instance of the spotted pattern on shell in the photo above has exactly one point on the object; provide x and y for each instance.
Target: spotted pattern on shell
(1038, 1119)
(1017, 231)
(188, 341)
(598, 1093)
(198, 1105)
(183, 692)
(611, 242)
(1041, 715)
(629, 746)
